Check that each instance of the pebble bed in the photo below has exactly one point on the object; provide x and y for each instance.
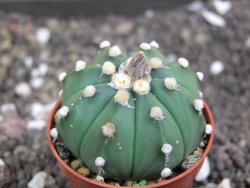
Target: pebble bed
(34, 51)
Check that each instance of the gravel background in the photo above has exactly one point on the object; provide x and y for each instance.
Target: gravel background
(179, 32)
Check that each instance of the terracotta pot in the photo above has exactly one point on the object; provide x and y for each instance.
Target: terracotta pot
(184, 180)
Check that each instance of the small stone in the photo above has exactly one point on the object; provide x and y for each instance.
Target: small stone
(156, 113)
(154, 44)
(149, 14)
(40, 180)
(166, 149)
(196, 6)
(225, 183)
(216, 67)
(222, 7)
(36, 124)
(213, 19)
(211, 185)
(247, 42)
(43, 69)
(54, 133)
(23, 89)
(75, 164)
(99, 162)
(113, 183)
(166, 172)
(84, 171)
(43, 35)
(204, 171)
(62, 151)
(8, 110)
(28, 62)
(13, 128)
(63, 111)
(37, 83)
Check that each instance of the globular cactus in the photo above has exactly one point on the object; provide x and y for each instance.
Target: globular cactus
(131, 117)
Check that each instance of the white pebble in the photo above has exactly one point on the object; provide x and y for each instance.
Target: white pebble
(222, 7)
(200, 75)
(120, 81)
(37, 109)
(108, 68)
(166, 172)
(80, 65)
(213, 19)
(141, 87)
(43, 35)
(196, 6)
(225, 183)
(208, 129)
(89, 91)
(154, 44)
(99, 162)
(40, 180)
(183, 62)
(36, 124)
(8, 107)
(108, 130)
(23, 89)
(198, 105)
(166, 149)
(114, 51)
(61, 76)
(149, 14)
(43, 69)
(28, 61)
(204, 171)
(37, 83)
(216, 67)
(145, 46)
(63, 111)
(54, 133)
(104, 44)
(170, 83)
(156, 113)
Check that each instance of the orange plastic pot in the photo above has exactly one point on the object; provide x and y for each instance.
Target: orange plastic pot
(184, 180)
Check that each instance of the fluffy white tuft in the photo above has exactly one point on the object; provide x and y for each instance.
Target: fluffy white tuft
(104, 44)
(114, 51)
(183, 62)
(80, 65)
(141, 87)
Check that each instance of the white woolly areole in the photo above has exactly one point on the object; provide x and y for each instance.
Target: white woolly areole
(145, 46)
(183, 62)
(99, 162)
(60, 93)
(54, 133)
(154, 44)
(170, 83)
(200, 75)
(156, 113)
(120, 81)
(80, 65)
(122, 97)
(200, 94)
(89, 91)
(63, 111)
(141, 87)
(108, 68)
(208, 129)
(166, 149)
(108, 129)
(114, 51)
(155, 62)
(61, 76)
(166, 172)
(104, 44)
(198, 104)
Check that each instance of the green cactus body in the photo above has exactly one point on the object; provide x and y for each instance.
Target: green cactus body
(134, 137)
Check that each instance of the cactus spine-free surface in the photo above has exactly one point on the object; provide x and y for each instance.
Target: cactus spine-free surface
(131, 117)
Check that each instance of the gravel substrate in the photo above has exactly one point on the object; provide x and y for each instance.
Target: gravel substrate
(33, 51)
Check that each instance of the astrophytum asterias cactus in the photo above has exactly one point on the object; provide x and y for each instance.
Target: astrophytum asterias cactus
(132, 116)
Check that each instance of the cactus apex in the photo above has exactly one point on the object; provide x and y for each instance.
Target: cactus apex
(61, 76)
(99, 162)
(200, 75)
(114, 51)
(141, 87)
(108, 130)
(155, 62)
(120, 81)
(122, 97)
(156, 113)
(154, 44)
(208, 129)
(166, 149)
(104, 44)
(170, 83)
(89, 91)
(80, 65)
(166, 172)
(183, 62)
(63, 111)
(145, 46)
(198, 105)
(108, 68)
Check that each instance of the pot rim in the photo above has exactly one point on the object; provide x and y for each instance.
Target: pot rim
(208, 116)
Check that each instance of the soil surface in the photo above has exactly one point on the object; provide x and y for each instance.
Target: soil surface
(33, 51)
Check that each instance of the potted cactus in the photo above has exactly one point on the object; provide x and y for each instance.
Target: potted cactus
(134, 117)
